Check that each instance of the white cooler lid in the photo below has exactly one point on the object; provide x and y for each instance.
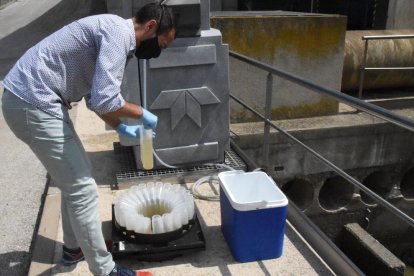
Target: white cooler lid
(251, 190)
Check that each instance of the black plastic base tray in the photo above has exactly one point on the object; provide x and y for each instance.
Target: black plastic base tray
(192, 240)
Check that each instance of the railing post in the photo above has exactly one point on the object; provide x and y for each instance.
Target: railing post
(362, 69)
(268, 115)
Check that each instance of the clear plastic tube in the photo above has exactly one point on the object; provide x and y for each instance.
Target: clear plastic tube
(139, 225)
(190, 208)
(146, 148)
(154, 208)
(147, 225)
(182, 214)
(168, 222)
(176, 219)
(129, 221)
(157, 224)
(118, 216)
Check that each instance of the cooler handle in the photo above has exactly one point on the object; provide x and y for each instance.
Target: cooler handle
(262, 204)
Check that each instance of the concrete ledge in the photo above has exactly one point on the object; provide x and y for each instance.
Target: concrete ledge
(369, 254)
(350, 141)
(44, 247)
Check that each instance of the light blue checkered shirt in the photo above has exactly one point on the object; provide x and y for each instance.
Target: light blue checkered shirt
(83, 59)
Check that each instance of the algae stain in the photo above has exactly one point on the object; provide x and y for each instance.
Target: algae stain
(409, 271)
(263, 37)
(323, 107)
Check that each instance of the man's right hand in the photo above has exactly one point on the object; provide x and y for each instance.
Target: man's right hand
(148, 119)
(128, 131)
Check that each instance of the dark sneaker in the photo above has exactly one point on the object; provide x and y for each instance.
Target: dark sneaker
(71, 256)
(123, 271)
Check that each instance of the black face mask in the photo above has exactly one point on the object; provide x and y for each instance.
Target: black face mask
(148, 49)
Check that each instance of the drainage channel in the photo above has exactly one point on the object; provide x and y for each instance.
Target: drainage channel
(373, 238)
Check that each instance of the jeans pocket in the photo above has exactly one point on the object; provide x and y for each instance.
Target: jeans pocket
(48, 127)
(16, 119)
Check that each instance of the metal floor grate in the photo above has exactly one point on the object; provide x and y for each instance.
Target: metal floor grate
(129, 171)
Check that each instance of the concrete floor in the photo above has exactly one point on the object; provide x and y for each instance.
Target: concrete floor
(26, 22)
(297, 258)
(22, 183)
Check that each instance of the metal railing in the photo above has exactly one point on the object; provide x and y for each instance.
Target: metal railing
(332, 93)
(364, 67)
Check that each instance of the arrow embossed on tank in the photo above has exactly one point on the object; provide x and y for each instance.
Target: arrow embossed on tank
(185, 102)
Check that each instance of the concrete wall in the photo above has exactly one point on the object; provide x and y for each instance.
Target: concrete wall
(400, 14)
(350, 141)
(311, 46)
(223, 5)
(3, 3)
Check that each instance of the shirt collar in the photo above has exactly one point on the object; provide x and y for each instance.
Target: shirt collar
(132, 35)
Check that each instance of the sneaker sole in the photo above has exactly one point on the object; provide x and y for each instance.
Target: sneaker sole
(68, 263)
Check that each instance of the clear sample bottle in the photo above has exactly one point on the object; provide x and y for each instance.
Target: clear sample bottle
(146, 148)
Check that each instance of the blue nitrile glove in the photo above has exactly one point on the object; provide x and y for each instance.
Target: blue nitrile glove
(148, 119)
(128, 131)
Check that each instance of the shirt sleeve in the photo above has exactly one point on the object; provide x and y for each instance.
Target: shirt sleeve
(113, 47)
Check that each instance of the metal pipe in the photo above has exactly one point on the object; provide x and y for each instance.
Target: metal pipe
(362, 74)
(268, 114)
(364, 60)
(337, 95)
(374, 37)
(323, 246)
(338, 170)
(389, 68)
(384, 52)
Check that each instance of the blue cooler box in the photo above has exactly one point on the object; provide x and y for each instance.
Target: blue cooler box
(253, 215)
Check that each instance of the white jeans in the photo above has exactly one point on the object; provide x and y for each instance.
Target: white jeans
(60, 150)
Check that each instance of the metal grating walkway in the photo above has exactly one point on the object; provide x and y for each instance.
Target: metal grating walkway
(130, 173)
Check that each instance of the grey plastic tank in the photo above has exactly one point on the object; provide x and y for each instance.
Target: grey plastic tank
(187, 87)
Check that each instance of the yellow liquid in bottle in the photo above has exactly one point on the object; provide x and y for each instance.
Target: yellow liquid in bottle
(146, 149)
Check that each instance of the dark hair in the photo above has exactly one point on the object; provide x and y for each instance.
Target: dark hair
(160, 12)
